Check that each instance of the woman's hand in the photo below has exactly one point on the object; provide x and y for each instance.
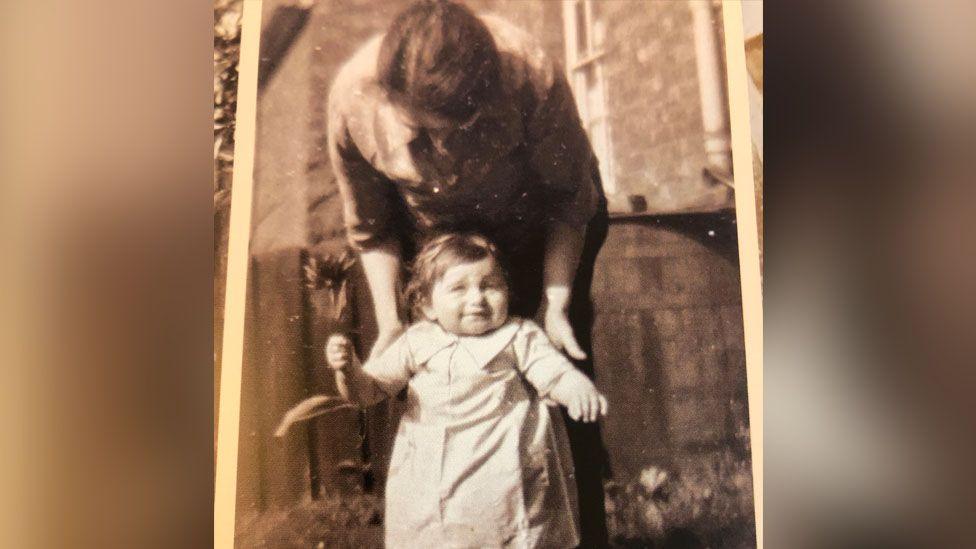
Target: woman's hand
(560, 332)
(563, 248)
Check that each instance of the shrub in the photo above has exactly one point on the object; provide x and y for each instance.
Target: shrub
(705, 501)
(349, 522)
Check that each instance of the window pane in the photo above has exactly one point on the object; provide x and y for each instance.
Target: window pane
(594, 103)
(582, 29)
(599, 33)
(594, 92)
(589, 75)
(601, 147)
(579, 93)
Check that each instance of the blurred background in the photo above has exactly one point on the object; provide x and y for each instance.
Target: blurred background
(107, 235)
(869, 300)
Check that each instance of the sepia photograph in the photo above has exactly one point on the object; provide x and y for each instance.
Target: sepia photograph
(486, 284)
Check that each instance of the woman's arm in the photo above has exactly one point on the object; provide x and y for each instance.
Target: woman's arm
(562, 158)
(382, 267)
(367, 200)
(564, 245)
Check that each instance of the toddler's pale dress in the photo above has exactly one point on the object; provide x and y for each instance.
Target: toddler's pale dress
(480, 459)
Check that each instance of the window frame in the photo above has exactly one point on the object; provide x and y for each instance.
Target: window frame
(592, 56)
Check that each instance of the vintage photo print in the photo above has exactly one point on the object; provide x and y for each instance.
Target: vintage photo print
(492, 274)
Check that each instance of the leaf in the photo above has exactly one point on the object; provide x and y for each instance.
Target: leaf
(309, 408)
(340, 303)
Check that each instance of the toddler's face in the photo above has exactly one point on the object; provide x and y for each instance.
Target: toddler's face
(470, 299)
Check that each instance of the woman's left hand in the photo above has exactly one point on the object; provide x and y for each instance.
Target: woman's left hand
(560, 332)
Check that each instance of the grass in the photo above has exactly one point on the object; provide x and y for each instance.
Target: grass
(349, 522)
(704, 501)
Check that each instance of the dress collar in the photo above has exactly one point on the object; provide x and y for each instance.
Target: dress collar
(428, 338)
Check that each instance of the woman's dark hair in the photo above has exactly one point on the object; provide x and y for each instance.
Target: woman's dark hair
(438, 56)
(437, 256)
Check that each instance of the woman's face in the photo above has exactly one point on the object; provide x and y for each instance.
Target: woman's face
(470, 299)
(437, 126)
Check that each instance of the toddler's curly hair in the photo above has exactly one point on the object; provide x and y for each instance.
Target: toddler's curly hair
(437, 256)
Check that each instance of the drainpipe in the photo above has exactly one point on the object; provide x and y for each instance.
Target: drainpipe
(715, 114)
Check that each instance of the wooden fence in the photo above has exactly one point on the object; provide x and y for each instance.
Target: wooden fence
(288, 320)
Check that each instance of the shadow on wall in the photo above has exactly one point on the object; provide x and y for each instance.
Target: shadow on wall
(717, 232)
(278, 35)
(668, 339)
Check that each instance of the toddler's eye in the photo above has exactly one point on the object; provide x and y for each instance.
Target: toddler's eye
(493, 285)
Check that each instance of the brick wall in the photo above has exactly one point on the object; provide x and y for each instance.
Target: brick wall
(668, 340)
(543, 20)
(654, 105)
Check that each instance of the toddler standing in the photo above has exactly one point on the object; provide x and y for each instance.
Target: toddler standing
(479, 459)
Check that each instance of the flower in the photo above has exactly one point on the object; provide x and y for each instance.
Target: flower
(652, 478)
(330, 272)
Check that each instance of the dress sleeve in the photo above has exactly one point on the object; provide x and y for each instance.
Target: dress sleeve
(393, 368)
(560, 150)
(538, 360)
(368, 197)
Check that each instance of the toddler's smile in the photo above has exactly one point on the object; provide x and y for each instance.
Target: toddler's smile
(470, 298)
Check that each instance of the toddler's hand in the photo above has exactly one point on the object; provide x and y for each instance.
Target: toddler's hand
(339, 354)
(581, 398)
(588, 406)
